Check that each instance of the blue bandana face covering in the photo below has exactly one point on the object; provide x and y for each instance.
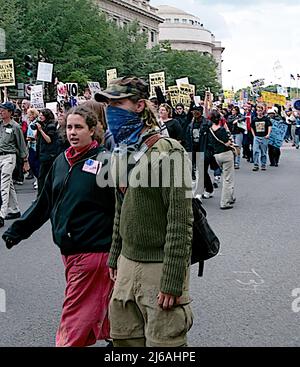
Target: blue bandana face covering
(125, 126)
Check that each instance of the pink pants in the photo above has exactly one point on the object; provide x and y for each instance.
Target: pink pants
(84, 317)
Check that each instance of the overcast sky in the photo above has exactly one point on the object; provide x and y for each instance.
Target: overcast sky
(256, 36)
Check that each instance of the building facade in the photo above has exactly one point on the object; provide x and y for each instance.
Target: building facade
(187, 32)
(124, 11)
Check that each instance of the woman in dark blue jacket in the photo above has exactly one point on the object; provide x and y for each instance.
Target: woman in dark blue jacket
(81, 214)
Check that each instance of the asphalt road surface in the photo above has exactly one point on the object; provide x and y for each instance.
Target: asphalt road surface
(245, 298)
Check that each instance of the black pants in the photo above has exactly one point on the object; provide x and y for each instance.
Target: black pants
(43, 171)
(18, 174)
(274, 154)
(208, 186)
(247, 146)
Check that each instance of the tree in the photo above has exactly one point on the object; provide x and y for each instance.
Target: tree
(201, 69)
(77, 38)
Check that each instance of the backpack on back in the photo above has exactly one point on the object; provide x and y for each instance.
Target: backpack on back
(205, 244)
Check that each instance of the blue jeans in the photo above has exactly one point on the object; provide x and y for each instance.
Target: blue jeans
(260, 148)
(297, 140)
(238, 140)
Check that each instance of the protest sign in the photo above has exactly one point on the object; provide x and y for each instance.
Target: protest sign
(94, 88)
(273, 98)
(52, 106)
(72, 93)
(36, 96)
(44, 72)
(184, 93)
(157, 80)
(173, 92)
(111, 74)
(197, 100)
(182, 81)
(7, 73)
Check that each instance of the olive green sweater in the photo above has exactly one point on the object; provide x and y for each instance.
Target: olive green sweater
(154, 224)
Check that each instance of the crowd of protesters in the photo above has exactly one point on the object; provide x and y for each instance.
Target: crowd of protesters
(122, 282)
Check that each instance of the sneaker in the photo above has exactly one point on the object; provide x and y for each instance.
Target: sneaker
(207, 195)
(109, 343)
(236, 166)
(1, 222)
(13, 216)
(255, 168)
(215, 185)
(232, 201)
(226, 207)
(263, 168)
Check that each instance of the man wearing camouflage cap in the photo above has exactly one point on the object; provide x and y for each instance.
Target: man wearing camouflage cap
(149, 258)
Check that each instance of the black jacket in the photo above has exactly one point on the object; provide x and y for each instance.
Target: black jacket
(198, 142)
(81, 212)
(48, 152)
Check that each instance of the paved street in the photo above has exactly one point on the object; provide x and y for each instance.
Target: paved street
(245, 297)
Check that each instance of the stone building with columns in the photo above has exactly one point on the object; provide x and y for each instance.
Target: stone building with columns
(184, 31)
(124, 11)
(187, 32)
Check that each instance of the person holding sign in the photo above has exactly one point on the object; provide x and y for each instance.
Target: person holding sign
(81, 215)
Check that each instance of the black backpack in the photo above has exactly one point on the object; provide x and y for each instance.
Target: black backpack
(205, 244)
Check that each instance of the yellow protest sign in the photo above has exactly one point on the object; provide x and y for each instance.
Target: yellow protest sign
(228, 94)
(173, 94)
(157, 80)
(273, 98)
(7, 73)
(184, 93)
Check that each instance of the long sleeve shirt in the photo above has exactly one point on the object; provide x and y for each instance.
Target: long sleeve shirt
(12, 139)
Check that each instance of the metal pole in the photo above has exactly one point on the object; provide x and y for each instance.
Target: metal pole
(5, 94)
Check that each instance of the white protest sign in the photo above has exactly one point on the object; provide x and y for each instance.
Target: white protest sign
(111, 74)
(197, 100)
(157, 80)
(44, 72)
(94, 87)
(72, 92)
(182, 81)
(52, 106)
(36, 97)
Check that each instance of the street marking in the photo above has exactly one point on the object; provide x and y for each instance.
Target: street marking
(250, 284)
(2, 300)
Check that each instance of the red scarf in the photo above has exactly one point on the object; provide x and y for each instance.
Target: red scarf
(73, 155)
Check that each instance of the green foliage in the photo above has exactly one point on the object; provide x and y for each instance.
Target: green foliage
(82, 44)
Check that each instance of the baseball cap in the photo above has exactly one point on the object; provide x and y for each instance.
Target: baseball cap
(197, 108)
(8, 106)
(123, 88)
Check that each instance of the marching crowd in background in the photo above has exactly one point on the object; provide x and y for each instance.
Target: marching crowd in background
(123, 282)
